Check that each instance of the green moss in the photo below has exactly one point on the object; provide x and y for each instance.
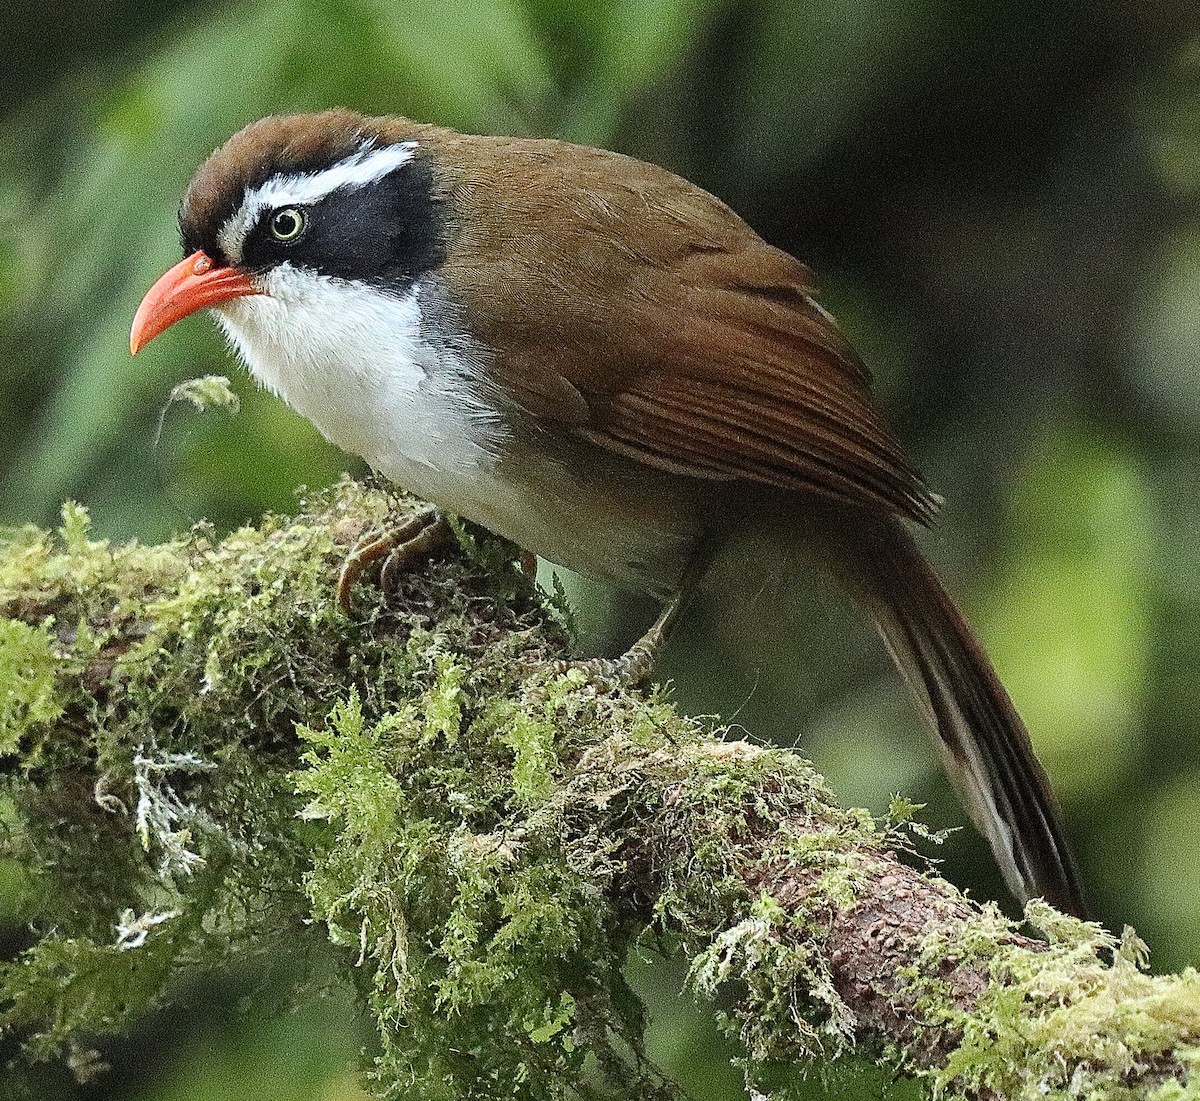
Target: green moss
(27, 696)
(511, 942)
(167, 684)
(215, 768)
(761, 951)
(97, 987)
(1066, 1023)
(532, 740)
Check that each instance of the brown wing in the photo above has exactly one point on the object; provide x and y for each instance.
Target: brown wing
(644, 313)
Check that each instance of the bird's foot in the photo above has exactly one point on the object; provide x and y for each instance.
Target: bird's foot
(631, 670)
(422, 533)
(636, 666)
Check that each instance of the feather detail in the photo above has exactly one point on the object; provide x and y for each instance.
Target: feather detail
(636, 308)
(985, 747)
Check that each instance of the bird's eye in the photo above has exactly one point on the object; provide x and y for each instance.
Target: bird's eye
(287, 224)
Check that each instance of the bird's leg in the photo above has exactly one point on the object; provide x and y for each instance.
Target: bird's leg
(636, 665)
(399, 547)
(527, 563)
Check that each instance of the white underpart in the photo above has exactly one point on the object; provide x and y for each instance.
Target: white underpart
(352, 360)
(364, 167)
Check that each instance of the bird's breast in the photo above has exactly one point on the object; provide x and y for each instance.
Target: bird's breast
(356, 362)
(380, 379)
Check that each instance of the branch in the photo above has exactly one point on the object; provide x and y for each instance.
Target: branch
(203, 756)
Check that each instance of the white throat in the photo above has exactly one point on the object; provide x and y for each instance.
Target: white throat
(354, 360)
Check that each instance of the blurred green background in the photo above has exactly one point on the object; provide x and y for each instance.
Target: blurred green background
(1002, 198)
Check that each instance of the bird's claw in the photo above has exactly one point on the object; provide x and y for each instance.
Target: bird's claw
(421, 533)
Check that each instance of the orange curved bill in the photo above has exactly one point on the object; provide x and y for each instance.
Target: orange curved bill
(191, 284)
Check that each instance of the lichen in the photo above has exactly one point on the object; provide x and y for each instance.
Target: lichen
(207, 392)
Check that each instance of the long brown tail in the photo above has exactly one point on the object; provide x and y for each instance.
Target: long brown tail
(984, 743)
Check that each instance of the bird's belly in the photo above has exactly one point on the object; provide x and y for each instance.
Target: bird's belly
(609, 519)
(605, 525)
(362, 368)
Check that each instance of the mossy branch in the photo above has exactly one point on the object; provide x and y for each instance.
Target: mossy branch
(202, 755)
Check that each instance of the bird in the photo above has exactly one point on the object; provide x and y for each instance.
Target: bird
(602, 362)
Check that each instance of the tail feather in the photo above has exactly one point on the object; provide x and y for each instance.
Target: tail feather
(985, 746)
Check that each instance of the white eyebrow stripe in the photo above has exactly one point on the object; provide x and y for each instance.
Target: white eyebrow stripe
(359, 169)
(363, 167)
